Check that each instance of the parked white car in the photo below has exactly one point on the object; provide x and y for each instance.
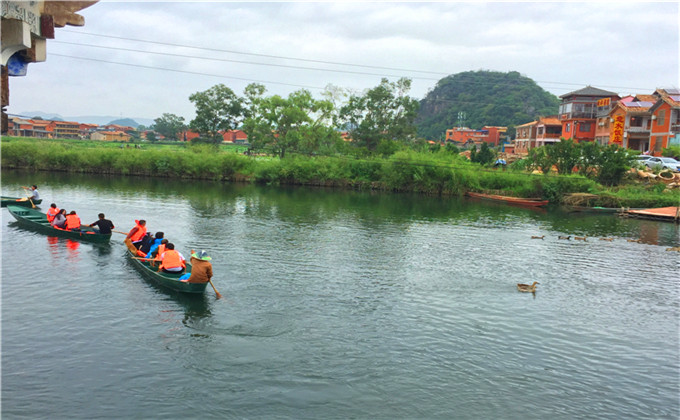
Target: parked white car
(663, 163)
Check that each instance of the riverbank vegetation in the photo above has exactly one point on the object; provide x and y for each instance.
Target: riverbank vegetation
(441, 170)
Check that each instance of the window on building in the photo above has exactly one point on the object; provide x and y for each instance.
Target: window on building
(568, 128)
(661, 119)
(585, 127)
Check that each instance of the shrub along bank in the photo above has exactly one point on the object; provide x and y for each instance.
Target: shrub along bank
(405, 170)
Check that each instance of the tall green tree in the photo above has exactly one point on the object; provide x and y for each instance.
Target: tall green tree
(169, 125)
(385, 112)
(566, 154)
(298, 123)
(217, 109)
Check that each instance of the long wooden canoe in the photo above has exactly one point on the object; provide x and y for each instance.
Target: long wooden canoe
(35, 220)
(16, 201)
(531, 202)
(167, 280)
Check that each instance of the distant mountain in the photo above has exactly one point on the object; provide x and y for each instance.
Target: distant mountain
(91, 119)
(478, 98)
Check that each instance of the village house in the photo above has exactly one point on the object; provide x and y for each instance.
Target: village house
(630, 123)
(488, 134)
(578, 112)
(665, 126)
(110, 136)
(545, 130)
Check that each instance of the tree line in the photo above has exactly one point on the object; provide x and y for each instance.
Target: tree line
(301, 123)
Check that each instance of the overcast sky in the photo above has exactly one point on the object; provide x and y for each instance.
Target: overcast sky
(620, 46)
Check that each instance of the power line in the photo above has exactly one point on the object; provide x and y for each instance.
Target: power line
(255, 54)
(186, 71)
(315, 61)
(235, 61)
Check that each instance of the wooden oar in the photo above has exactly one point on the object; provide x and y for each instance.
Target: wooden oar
(217, 294)
(118, 231)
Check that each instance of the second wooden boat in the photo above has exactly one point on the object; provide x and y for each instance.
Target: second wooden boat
(16, 201)
(35, 220)
(531, 202)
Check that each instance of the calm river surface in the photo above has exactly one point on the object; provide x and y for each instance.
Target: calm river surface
(338, 304)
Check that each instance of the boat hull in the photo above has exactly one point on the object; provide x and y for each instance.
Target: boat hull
(37, 221)
(167, 280)
(16, 201)
(529, 202)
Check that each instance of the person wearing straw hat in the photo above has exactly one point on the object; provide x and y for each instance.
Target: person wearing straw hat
(201, 268)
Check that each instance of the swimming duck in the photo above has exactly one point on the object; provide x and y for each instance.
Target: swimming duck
(564, 237)
(607, 239)
(529, 288)
(538, 237)
(634, 240)
(580, 238)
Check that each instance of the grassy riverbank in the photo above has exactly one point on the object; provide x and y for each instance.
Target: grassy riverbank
(429, 173)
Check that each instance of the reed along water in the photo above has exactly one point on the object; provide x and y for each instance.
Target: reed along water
(338, 304)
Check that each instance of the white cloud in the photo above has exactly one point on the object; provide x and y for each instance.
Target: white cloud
(563, 46)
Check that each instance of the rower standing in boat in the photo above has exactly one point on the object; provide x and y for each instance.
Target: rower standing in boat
(201, 268)
(104, 225)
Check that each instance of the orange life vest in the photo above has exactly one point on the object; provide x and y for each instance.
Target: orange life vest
(139, 234)
(72, 221)
(171, 259)
(51, 213)
(161, 250)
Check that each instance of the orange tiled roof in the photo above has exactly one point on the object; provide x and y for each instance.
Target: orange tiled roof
(527, 124)
(550, 121)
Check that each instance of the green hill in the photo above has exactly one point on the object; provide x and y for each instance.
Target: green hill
(483, 98)
(127, 122)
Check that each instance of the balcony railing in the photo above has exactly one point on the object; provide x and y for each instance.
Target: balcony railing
(549, 136)
(675, 127)
(635, 129)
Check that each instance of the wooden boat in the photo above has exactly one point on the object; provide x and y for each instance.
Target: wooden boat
(531, 202)
(16, 201)
(586, 209)
(35, 220)
(167, 280)
(664, 214)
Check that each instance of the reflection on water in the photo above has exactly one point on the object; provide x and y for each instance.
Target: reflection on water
(358, 304)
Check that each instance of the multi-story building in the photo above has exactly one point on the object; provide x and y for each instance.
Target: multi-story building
(488, 134)
(548, 130)
(665, 126)
(525, 137)
(630, 123)
(66, 129)
(579, 110)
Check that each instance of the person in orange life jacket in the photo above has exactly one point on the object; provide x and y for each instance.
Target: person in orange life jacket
(172, 261)
(51, 212)
(72, 221)
(201, 268)
(137, 233)
(60, 219)
(156, 253)
(103, 224)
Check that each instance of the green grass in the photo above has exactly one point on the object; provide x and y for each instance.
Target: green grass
(406, 170)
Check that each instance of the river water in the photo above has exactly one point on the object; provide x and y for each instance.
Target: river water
(338, 304)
